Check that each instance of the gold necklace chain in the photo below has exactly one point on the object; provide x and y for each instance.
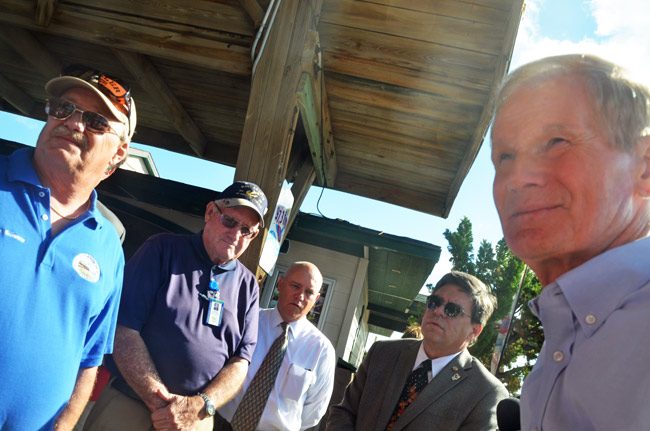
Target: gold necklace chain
(68, 217)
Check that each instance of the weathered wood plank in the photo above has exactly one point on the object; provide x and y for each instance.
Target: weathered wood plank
(384, 142)
(434, 68)
(133, 34)
(301, 185)
(460, 33)
(254, 11)
(322, 152)
(382, 119)
(486, 11)
(435, 175)
(414, 198)
(15, 96)
(31, 50)
(398, 99)
(272, 113)
(189, 14)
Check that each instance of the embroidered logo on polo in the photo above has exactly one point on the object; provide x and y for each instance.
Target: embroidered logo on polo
(86, 266)
(10, 234)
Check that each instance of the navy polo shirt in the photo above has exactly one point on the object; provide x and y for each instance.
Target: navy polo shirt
(59, 297)
(164, 284)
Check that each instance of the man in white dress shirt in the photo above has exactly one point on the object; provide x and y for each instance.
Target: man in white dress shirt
(305, 380)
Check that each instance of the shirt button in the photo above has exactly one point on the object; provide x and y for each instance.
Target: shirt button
(41, 194)
(45, 217)
(558, 356)
(590, 319)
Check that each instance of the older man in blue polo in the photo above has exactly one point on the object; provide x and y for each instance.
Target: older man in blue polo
(187, 326)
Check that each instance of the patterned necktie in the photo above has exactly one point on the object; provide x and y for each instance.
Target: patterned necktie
(249, 412)
(416, 381)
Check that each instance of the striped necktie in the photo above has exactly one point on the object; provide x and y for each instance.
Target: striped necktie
(250, 409)
(416, 381)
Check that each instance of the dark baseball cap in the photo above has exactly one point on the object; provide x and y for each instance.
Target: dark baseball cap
(246, 194)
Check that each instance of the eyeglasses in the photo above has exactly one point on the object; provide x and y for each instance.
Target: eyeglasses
(451, 309)
(63, 109)
(230, 223)
(115, 89)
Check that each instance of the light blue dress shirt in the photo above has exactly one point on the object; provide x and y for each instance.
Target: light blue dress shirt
(593, 372)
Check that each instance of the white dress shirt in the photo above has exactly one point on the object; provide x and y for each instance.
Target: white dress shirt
(436, 364)
(305, 380)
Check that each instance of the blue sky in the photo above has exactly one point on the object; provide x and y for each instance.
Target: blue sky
(618, 30)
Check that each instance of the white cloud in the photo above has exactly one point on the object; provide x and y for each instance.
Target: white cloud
(622, 36)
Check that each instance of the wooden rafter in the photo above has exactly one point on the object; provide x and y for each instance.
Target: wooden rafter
(302, 183)
(321, 149)
(15, 96)
(149, 79)
(212, 49)
(30, 49)
(254, 11)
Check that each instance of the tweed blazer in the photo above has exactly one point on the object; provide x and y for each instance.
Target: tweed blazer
(462, 396)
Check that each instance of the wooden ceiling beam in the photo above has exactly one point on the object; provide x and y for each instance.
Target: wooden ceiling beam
(209, 48)
(312, 113)
(30, 49)
(16, 97)
(44, 11)
(148, 77)
(254, 11)
(305, 176)
(272, 112)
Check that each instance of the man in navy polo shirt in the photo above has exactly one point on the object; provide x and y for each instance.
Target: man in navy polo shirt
(187, 325)
(62, 262)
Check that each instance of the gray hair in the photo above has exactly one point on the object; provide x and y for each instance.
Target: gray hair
(483, 301)
(624, 104)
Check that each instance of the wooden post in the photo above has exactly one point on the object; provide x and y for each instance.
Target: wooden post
(272, 108)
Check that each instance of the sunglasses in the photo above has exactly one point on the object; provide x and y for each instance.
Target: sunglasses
(450, 309)
(230, 223)
(63, 109)
(115, 89)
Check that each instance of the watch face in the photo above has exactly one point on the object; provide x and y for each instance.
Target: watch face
(209, 409)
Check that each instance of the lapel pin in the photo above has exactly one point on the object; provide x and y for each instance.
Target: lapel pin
(454, 368)
(455, 377)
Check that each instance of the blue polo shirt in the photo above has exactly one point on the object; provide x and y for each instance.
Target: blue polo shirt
(165, 284)
(59, 297)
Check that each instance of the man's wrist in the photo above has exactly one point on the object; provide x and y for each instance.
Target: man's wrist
(208, 409)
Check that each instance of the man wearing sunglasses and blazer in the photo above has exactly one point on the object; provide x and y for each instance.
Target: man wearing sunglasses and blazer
(187, 325)
(62, 261)
(433, 383)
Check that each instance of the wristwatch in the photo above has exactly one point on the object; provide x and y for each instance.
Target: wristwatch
(210, 410)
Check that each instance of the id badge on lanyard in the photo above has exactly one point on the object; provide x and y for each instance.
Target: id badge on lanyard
(214, 312)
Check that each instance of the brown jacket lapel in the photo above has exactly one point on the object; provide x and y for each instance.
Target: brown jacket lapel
(450, 376)
(396, 375)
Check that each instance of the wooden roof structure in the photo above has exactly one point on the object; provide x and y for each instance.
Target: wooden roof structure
(387, 99)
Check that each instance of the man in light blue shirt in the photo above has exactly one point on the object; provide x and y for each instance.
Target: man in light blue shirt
(571, 150)
(62, 261)
(305, 380)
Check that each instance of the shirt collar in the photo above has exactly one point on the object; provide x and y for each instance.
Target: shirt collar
(596, 288)
(197, 239)
(21, 168)
(293, 327)
(437, 364)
